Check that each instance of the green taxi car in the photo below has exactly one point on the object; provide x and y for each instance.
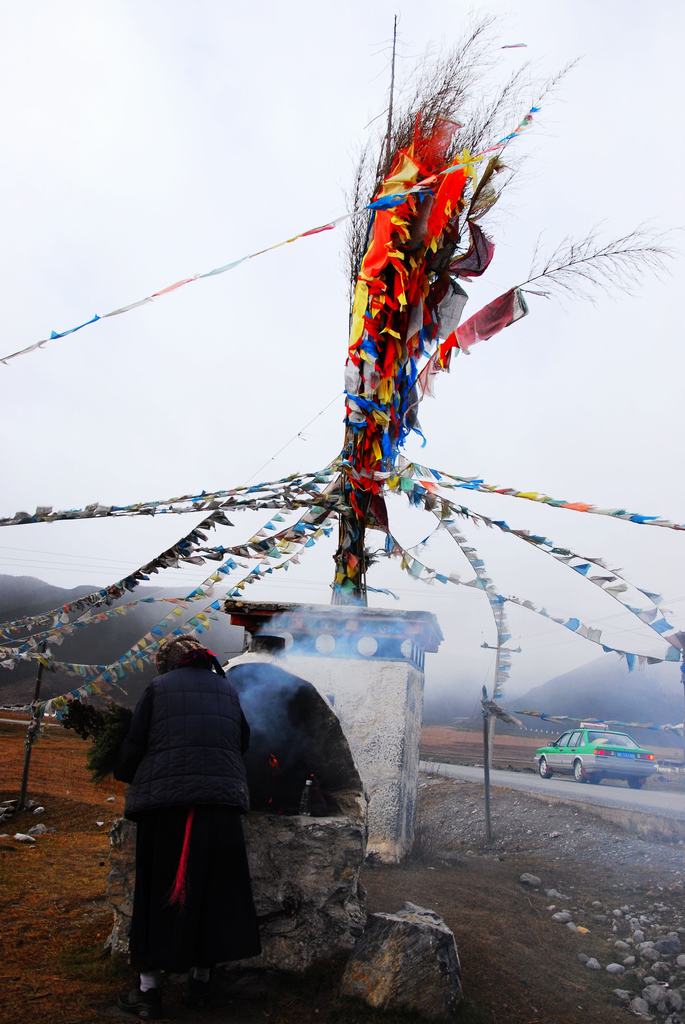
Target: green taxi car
(593, 752)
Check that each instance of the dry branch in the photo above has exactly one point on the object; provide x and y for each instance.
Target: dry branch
(578, 268)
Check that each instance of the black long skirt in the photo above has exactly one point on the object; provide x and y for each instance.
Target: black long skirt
(216, 921)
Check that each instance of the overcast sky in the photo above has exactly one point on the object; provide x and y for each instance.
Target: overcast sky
(142, 142)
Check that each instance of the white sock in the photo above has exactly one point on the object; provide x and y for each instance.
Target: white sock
(148, 981)
(199, 973)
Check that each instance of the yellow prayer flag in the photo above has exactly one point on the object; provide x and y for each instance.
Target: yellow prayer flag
(361, 301)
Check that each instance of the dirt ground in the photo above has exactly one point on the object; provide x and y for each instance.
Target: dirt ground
(519, 965)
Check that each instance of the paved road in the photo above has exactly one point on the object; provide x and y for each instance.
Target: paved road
(667, 804)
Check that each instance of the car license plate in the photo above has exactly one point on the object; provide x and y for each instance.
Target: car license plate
(624, 753)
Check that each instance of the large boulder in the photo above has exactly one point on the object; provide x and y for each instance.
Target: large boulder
(305, 879)
(406, 961)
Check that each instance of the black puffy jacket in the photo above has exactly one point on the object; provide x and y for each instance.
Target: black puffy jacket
(185, 744)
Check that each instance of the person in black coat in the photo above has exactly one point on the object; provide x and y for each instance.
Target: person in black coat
(183, 758)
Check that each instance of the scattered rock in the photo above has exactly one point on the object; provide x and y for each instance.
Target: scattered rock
(622, 994)
(629, 961)
(675, 1000)
(406, 961)
(668, 946)
(583, 957)
(593, 964)
(615, 968)
(638, 935)
(21, 837)
(111, 799)
(681, 960)
(572, 927)
(38, 830)
(623, 946)
(554, 894)
(654, 994)
(532, 881)
(99, 824)
(638, 1005)
(562, 916)
(39, 810)
(554, 835)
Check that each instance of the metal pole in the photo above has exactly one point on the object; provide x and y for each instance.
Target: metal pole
(682, 679)
(491, 718)
(31, 734)
(486, 767)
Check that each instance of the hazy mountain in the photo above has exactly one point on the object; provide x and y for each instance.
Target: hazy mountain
(26, 595)
(600, 690)
(100, 643)
(605, 689)
(442, 706)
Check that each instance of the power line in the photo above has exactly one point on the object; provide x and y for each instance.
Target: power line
(295, 436)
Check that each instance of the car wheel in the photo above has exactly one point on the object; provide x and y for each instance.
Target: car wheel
(544, 769)
(636, 783)
(579, 772)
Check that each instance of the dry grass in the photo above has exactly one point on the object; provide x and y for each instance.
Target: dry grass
(52, 894)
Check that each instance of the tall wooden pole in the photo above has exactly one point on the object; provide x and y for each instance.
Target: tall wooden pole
(353, 521)
(351, 541)
(31, 732)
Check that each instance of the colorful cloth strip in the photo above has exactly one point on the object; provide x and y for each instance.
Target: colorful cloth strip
(251, 496)
(478, 484)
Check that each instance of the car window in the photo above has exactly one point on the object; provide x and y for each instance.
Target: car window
(563, 740)
(574, 739)
(612, 739)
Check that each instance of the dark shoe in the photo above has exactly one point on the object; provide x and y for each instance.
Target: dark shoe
(198, 993)
(145, 1005)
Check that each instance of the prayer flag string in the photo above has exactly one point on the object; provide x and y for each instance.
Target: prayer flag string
(384, 203)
